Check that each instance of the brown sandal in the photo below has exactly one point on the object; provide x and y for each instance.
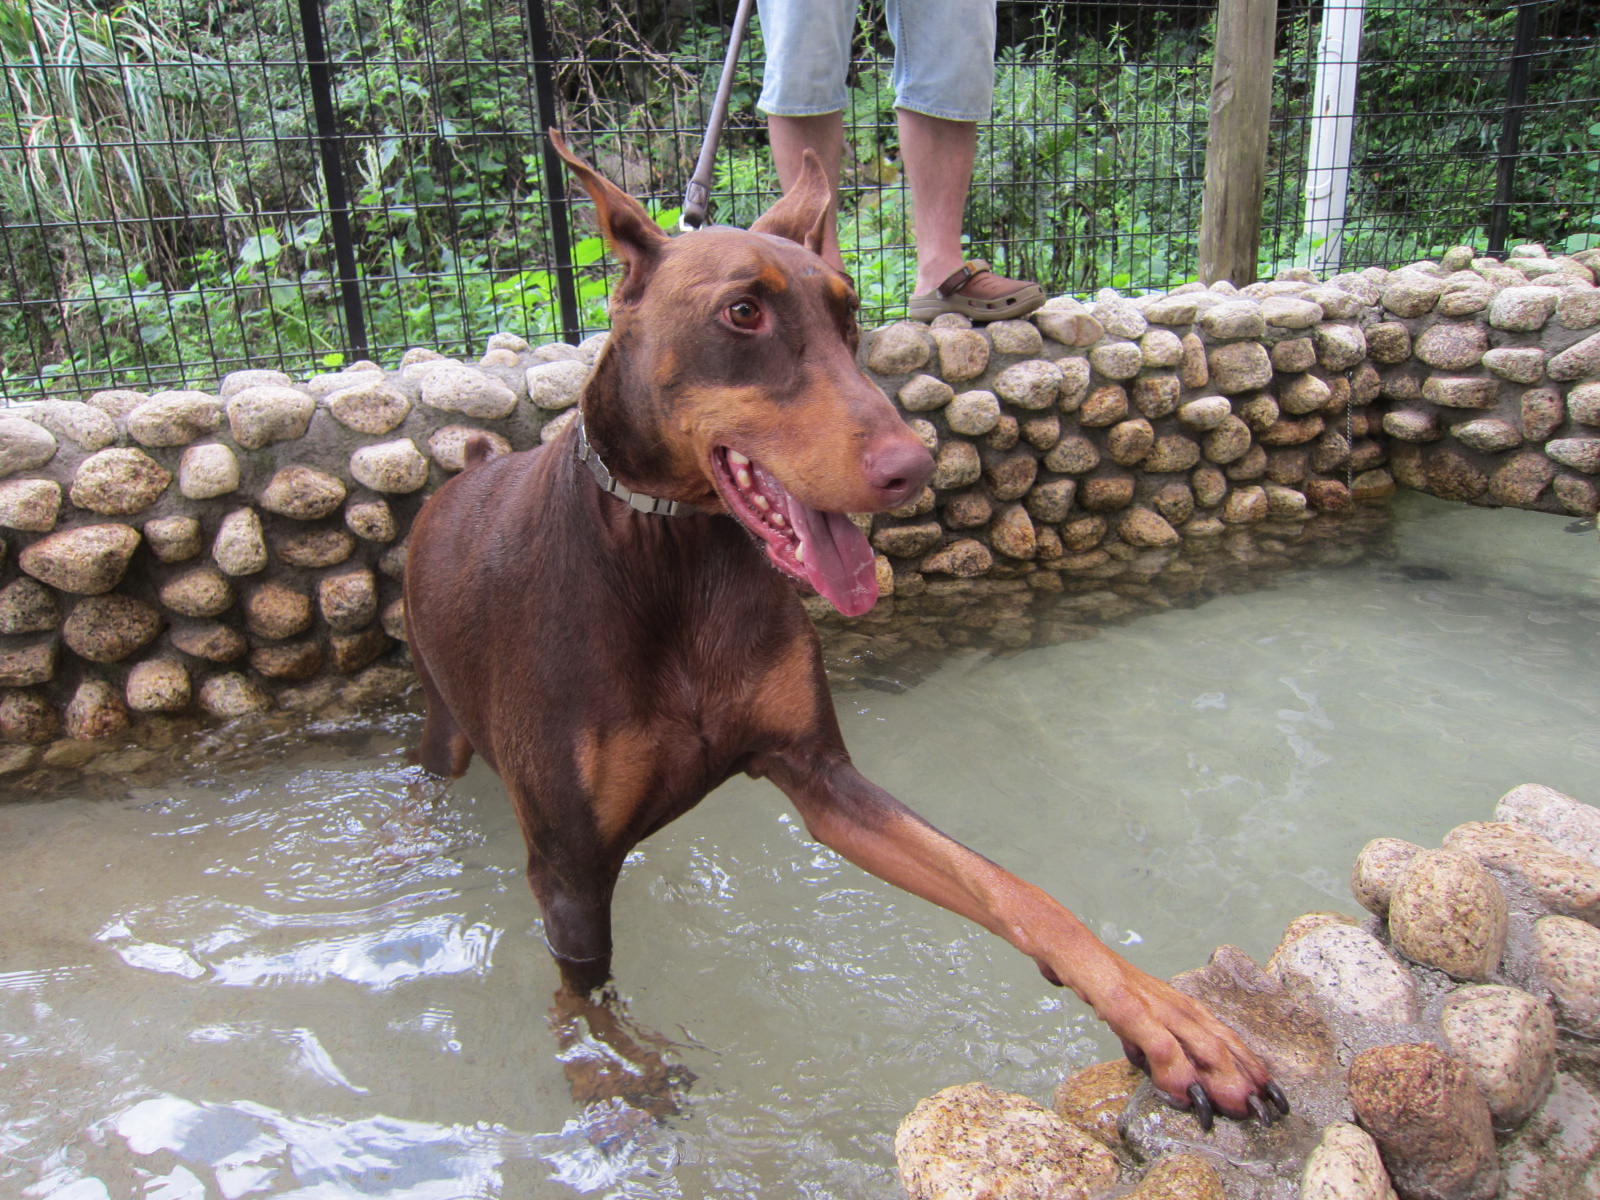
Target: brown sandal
(1018, 300)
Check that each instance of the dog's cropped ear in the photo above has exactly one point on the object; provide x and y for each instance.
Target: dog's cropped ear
(802, 214)
(630, 231)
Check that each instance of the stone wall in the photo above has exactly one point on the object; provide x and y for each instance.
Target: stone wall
(220, 553)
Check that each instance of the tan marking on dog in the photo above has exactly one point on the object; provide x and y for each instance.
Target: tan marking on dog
(786, 698)
(773, 278)
(616, 767)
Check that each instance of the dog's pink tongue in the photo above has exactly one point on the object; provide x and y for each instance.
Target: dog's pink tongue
(838, 559)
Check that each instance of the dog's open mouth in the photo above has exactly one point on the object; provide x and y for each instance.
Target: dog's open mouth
(820, 548)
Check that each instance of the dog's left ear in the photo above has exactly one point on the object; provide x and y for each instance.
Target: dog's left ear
(802, 214)
(628, 229)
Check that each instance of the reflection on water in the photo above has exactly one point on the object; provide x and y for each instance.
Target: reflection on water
(296, 968)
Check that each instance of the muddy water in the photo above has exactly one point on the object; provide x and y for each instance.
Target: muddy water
(301, 970)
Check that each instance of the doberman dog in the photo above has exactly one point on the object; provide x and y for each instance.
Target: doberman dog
(601, 620)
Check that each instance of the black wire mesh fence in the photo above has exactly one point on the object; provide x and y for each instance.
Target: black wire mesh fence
(296, 184)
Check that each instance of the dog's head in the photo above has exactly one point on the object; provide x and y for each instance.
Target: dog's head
(730, 382)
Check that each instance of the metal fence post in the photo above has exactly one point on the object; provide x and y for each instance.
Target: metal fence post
(555, 183)
(330, 144)
(1511, 124)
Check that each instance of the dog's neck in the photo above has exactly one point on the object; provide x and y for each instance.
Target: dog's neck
(650, 505)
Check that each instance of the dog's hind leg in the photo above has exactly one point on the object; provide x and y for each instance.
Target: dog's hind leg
(443, 749)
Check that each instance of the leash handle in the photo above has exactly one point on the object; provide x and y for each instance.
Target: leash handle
(697, 195)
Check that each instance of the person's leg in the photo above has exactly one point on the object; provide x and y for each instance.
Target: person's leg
(943, 87)
(790, 138)
(803, 88)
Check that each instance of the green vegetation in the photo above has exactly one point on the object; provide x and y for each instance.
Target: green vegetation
(164, 217)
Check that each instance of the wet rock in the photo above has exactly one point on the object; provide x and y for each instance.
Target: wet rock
(372, 520)
(1117, 360)
(315, 548)
(1129, 441)
(1339, 347)
(1561, 882)
(1106, 493)
(1451, 475)
(158, 685)
(955, 466)
(1345, 1165)
(1507, 1040)
(1447, 912)
(291, 660)
(1452, 345)
(907, 541)
(1581, 454)
(232, 695)
(31, 505)
(1349, 972)
(1372, 485)
(1034, 385)
(1246, 505)
(974, 1140)
(175, 418)
(1583, 402)
(1429, 1120)
(95, 711)
(1576, 362)
(119, 482)
(27, 607)
(1460, 391)
(1042, 432)
(276, 611)
(1013, 535)
(1083, 534)
(88, 560)
(1073, 455)
(1239, 367)
(27, 717)
(27, 664)
(1180, 1177)
(261, 416)
(24, 445)
(448, 445)
(371, 407)
(1015, 337)
(1377, 871)
(1567, 959)
(239, 548)
(1104, 406)
(110, 628)
(925, 393)
(1205, 413)
(1291, 1039)
(1524, 364)
(173, 539)
(1156, 394)
(1304, 394)
(1142, 527)
(1294, 355)
(1388, 342)
(1580, 497)
(207, 471)
(348, 601)
(964, 558)
(212, 642)
(349, 652)
(973, 413)
(201, 592)
(1093, 1099)
(899, 349)
(1569, 825)
(963, 353)
(1522, 479)
(1523, 309)
(393, 467)
(1228, 442)
(1488, 434)
(1005, 434)
(1171, 453)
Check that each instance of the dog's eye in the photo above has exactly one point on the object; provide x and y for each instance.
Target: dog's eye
(743, 314)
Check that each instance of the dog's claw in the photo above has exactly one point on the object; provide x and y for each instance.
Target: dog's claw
(1200, 1105)
(1279, 1100)
(1261, 1112)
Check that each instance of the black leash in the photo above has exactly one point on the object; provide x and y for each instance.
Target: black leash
(697, 195)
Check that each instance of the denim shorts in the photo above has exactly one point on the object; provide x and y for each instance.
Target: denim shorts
(943, 56)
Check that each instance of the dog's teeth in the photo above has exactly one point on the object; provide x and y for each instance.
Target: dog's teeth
(760, 502)
(742, 478)
(800, 552)
(777, 519)
(737, 459)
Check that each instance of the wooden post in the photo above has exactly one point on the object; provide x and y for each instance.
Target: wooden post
(1236, 141)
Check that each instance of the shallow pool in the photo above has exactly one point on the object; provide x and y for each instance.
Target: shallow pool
(305, 971)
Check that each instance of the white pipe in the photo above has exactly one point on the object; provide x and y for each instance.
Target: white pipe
(1332, 129)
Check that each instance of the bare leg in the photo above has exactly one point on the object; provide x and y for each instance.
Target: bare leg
(790, 137)
(938, 157)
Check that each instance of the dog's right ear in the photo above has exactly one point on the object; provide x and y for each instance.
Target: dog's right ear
(629, 230)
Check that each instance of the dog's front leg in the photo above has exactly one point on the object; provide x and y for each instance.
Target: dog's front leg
(1181, 1043)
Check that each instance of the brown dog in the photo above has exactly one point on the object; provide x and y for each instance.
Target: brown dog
(602, 621)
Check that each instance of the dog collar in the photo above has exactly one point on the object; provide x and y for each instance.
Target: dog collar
(653, 505)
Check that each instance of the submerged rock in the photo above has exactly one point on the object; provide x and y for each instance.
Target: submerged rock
(1447, 912)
